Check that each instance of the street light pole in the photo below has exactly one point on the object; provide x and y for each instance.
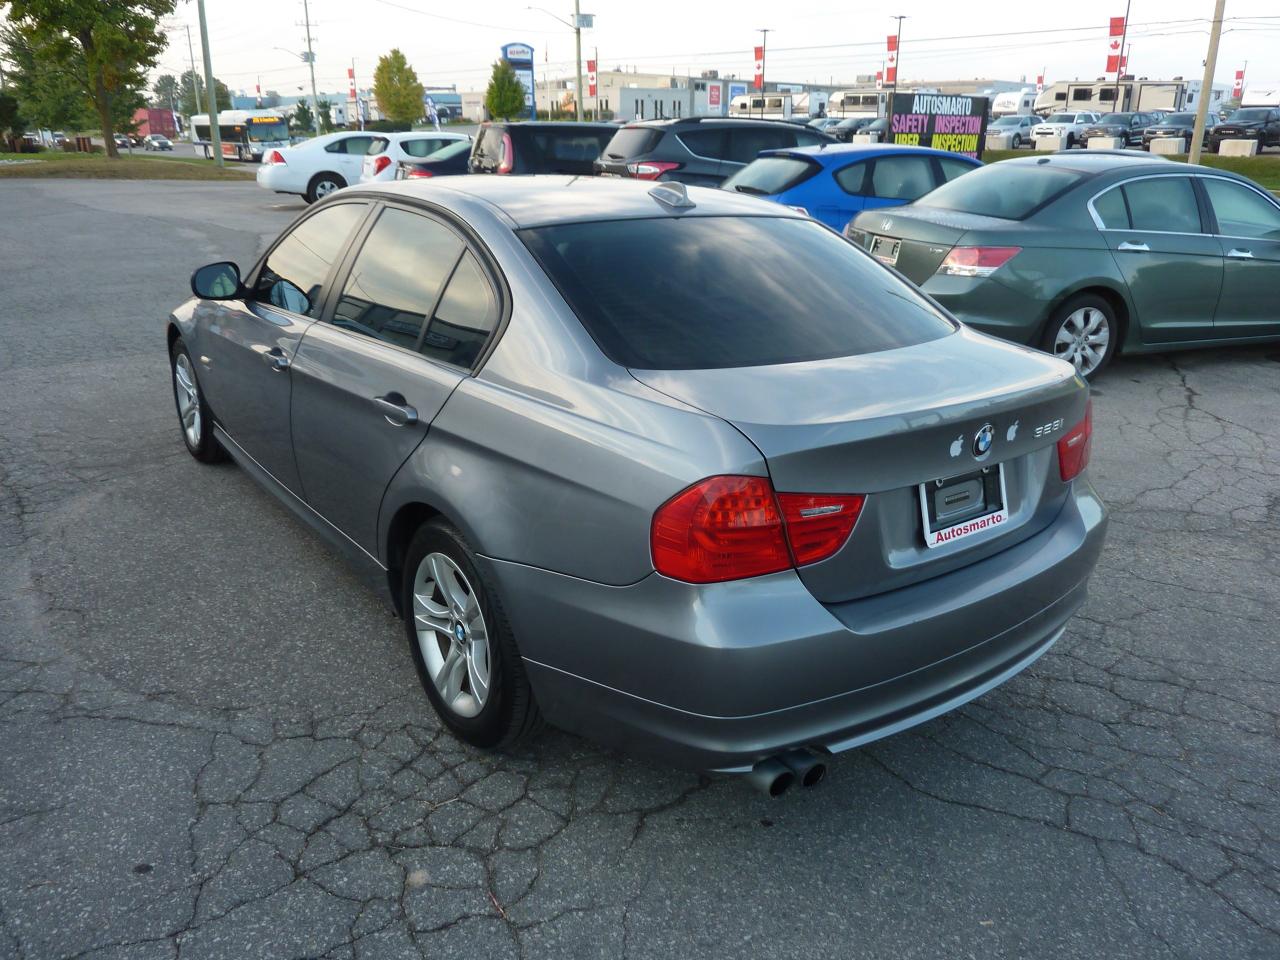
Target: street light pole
(897, 57)
(1206, 84)
(195, 87)
(577, 42)
(311, 63)
(210, 87)
(764, 50)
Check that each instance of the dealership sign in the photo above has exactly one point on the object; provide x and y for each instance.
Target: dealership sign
(520, 56)
(953, 123)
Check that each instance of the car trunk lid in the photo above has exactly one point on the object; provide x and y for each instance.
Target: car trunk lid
(919, 238)
(884, 424)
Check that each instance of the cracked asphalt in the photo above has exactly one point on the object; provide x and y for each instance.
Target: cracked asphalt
(213, 743)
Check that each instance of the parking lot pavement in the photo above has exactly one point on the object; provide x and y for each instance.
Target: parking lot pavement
(213, 743)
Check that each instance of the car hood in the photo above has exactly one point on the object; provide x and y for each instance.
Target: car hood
(1232, 127)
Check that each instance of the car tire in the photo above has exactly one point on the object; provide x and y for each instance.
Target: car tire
(194, 421)
(439, 565)
(323, 184)
(1071, 140)
(1076, 330)
(1017, 140)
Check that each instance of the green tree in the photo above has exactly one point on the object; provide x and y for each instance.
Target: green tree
(187, 102)
(11, 122)
(49, 91)
(396, 88)
(109, 45)
(505, 96)
(303, 118)
(325, 109)
(165, 92)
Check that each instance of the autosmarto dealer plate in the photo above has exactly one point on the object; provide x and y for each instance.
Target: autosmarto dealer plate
(958, 507)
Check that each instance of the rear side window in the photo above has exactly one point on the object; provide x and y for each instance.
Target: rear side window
(807, 138)
(570, 145)
(465, 317)
(1111, 210)
(770, 175)
(377, 147)
(424, 147)
(1165, 204)
(690, 299)
(632, 142)
(952, 168)
(1007, 190)
(902, 178)
(853, 178)
(712, 144)
(745, 143)
(1242, 212)
(293, 276)
(359, 146)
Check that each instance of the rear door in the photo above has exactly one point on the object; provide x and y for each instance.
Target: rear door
(346, 156)
(705, 165)
(247, 347)
(1248, 234)
(746, 142)
(417, 305)
(1171, 263)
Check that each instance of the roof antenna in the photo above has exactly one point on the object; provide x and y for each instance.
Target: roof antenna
(672, 193)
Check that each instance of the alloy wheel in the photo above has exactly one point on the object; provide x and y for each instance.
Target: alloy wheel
(325, 187)
(452, 635)
(1083, 339)
(184, 383)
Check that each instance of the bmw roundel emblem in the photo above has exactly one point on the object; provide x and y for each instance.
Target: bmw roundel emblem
(983, 439)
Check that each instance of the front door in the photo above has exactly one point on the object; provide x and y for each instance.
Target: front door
(252, 343)
(415, 310)
(1172, 265)
(1248, 227)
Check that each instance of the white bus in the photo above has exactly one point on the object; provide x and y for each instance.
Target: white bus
(245, 134)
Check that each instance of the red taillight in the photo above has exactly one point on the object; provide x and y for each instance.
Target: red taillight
(275, 156)
(976, 261)
(381, 163)
(417, 173)
(651, 169)
(818, 524)
(507, 162)
(1074, 448)
(729, 527)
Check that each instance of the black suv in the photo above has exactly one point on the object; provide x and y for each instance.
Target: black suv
(1248, 123)
(698, 150)
(532, 147)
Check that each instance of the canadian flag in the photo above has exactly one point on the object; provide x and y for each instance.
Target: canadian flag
(1113, 45)
(1040, 83)
(351, 83)
(891, 60)
(591, 78)
(1237, 89)
(759, 81)
(879, 79)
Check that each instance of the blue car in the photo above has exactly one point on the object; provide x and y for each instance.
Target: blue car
(834, 182)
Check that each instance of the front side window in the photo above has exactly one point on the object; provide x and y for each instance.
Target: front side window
(1164, 204)
(397, 277)
(1241, 212)
(294, 273)
(690, 299)
(902, 178)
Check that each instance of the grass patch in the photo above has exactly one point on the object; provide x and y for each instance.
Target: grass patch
(97, 166)
(1263, 170)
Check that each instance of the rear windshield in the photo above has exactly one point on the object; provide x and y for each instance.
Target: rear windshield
(377, 147)
(688, 293)
(1247, 116)
(769, 175)
(572, 143)
(1002, 190)
(632, 142)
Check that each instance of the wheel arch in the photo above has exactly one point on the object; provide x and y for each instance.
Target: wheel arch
(405, 522)
(1116, 298)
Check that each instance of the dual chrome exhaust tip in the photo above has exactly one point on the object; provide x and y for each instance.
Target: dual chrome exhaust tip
(776, 775)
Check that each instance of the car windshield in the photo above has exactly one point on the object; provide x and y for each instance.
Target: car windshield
(1008, 122)
(1247, 116)
(1062, 118)
(1003, 190)
(263, 130)
(1121, 118)
(769, 175)
(1179, 118)
(690, 298)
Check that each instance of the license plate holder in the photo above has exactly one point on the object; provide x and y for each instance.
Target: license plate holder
(954, 508)
(885, 249)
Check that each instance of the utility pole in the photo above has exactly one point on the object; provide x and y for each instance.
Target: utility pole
(597, 56)
(1124, 35)
(195, 87)
(210, 87)
(311, 62)
(764, 49)
(897, 58)
(1206, 84)
(577, 42)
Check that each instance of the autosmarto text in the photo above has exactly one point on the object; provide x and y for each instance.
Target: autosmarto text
(947, 123)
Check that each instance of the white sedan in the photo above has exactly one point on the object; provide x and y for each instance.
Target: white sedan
(390, 149)
(317, 167)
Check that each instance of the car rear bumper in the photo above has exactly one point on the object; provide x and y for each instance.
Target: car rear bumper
(278, 177)
(720, 676)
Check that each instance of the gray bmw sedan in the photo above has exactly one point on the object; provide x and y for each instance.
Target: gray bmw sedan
(683, 471)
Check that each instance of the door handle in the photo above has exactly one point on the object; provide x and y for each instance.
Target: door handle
(395, 411)
(1134, 247)
(275, 359)
(1240, 254)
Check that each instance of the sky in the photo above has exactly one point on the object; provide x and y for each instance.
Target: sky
(818, 42)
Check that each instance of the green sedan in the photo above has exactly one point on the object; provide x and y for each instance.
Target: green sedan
(1087, 254)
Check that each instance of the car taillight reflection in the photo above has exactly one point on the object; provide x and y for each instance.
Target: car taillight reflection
(651, 169)
(976, 261)
(381, 163)
(1075, 447)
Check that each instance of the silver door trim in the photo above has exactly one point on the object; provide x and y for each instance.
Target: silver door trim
(222, 435)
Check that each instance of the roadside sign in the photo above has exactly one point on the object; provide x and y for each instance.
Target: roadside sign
(520, 56)
(954, 123)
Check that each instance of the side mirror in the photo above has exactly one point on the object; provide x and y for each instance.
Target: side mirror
(217, 281)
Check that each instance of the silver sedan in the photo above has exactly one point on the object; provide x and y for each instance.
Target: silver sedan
(683, 471)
